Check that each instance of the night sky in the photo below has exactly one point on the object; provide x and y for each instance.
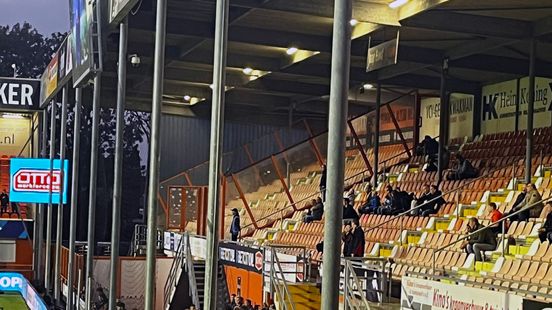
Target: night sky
(45, 15)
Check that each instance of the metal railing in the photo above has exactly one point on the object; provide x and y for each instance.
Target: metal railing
(316, 194)
(365, 277)
(490, 226)
(353, 293)
(175, 272)
(277, 276)
(433, 200)
(191, 273)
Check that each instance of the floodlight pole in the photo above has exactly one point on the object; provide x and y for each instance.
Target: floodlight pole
(443, 121)
(92, 190)
(377, 135)
(118, 169)
(339, 93)
(59, 227)
(530, 110)
(217, 126)
(153, 182)
(49, 214)
(74, 200)
(39, 216)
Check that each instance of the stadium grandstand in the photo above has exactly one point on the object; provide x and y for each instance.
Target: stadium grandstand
(282, 154)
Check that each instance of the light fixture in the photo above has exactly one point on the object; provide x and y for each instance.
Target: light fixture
(397, 3)
(292, 50)
(247, 70)
(12, 115)
(367, 86)
(253, 77)
(353, 22)
(211, 86)
(187, 98)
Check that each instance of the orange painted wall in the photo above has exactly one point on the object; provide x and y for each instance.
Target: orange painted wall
(251, 284)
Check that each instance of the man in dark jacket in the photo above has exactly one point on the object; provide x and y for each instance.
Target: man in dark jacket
(323, 183)
(429, 146)
(545, 232)
(433, 201)
(347, 238)
(480, 242)
(316, 212)
(359, 242)
(4, 201)
(464, 170)
(349, 212)
(235, 226)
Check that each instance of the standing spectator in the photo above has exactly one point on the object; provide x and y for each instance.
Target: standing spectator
(347, 238)
(359, 242)
(323, 182)
(495, 216)
(349, 212)
(484, 240)
(235, 227)
(14, 208)
(428, 147)
(531, 203)
(545, 232)
(4, 201)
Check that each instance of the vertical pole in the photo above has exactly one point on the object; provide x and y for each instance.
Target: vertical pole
(417, 116)
(91, 243)
(375, 166)
(339, 92)
(153, 183)
(39, 217)
(217, 126)
(48, 263)
(516, 125)
(118, 166)
(74, 198)
(442, 120)
(59, 227)
(530, 110)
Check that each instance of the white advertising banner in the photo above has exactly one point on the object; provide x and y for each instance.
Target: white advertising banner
(461, 116)
(499, 105)
(425, 294)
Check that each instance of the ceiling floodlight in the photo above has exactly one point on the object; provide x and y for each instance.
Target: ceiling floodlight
(187, 98)
(353, 22)
(367, 86)
(292, 50)
(397, 3)
(247, 70)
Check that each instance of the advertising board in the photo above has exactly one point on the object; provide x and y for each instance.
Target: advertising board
(243, 257)
(461, 116)
(81, 12)
(19, 95)
(31, 182)
(16, 282)
(119, 9)
(425, 294)
(57, 73)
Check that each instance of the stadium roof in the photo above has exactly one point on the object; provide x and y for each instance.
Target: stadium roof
(486, 41)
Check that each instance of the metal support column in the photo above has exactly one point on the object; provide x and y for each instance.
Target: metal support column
(59, 227)
(518, 88)
(375, 166)
(217, 126)
(118, 165)
(339, 92)
(417, 117)
(153, 183)
(74, 200)
(530, 110)
(49, 212)
(91, 244)
(39, 217)
(444, 112)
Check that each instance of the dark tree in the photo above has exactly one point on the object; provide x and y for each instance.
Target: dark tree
(29, 50)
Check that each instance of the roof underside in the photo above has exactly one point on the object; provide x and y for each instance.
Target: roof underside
(486, 41)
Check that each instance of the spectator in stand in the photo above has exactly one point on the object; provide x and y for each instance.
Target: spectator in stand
(433, 202)
(316, 212)
(359, 242)
(372, 203)
(349, 212)
(347, 238)
(428, 147)
(464, 169)
(431, 166)
(531, 201)
(423, 197)
(248, 304)
(235, 227)
(323, 182)
(495, 216)
(388, 200)
(484, 240)
(4, 201)
(545, 232)
(232, 302)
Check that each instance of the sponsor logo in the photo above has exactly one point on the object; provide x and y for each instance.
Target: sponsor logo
(259, 260)
(32, 180)
(7, 282)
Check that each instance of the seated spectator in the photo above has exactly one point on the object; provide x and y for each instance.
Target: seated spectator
(347, 238)
(531, 205)
(433, 202)
(349, 212)
(464, 170)
(431, 166)
(484, 240)
(545, 232)
(495, 216)
(358, 242)
(388, 200)
(372, 204)
(316, 212)
(424, 196)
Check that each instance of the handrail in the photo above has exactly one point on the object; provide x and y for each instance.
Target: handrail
(346, 291)
(191, 272)
(281, 290)
(408, 212)
(503, 219)
(317, 193)
(171, 279)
